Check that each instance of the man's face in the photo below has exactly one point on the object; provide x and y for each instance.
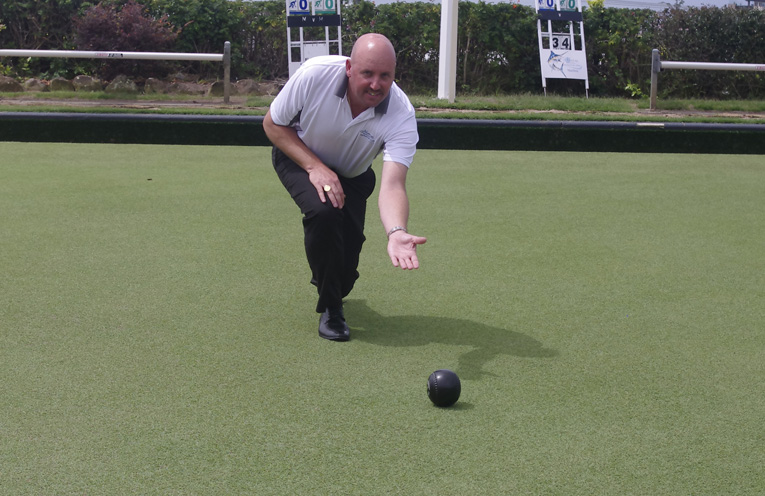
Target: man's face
(370, 75)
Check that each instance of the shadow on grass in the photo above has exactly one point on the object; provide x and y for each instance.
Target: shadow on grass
(412, 330)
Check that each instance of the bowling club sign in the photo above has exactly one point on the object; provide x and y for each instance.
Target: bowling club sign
(560, 32)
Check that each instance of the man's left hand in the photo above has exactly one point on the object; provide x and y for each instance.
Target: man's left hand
(402, 249)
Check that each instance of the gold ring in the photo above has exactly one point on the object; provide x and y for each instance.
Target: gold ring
(327, 188)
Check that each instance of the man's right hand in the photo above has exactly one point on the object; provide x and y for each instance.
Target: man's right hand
(327, 185)
(286, 139)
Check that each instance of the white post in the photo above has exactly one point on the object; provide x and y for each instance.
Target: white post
(447, 58)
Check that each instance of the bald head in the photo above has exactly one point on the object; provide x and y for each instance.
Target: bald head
(374, 45)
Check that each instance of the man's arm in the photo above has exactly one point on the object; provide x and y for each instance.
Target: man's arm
(285, 138)
(394, 212)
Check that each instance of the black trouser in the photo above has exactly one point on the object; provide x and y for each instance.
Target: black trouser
(333, 236)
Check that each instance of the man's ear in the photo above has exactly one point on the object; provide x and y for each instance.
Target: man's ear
(348, 67)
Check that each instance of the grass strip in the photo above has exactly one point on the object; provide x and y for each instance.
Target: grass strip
(516, 107)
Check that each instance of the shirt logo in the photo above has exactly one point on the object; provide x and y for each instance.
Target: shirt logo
(366, 134)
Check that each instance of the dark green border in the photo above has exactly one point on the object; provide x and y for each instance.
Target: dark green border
(434, 133)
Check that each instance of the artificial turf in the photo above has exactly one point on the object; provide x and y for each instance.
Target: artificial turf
(604, 312)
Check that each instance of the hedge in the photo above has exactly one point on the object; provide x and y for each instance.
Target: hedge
(497, 43)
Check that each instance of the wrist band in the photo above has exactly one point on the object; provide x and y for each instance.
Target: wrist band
(397, 228)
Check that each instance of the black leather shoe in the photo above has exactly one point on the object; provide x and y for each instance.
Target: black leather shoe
(332, 325)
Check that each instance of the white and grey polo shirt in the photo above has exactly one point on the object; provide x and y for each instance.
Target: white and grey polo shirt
(314, 101)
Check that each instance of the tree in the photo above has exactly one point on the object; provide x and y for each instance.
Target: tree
(618, 49)
(204, 25)
(38, 25)
(130, 29)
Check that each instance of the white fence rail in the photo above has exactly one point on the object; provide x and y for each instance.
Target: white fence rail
(224, 57)
(657, 65)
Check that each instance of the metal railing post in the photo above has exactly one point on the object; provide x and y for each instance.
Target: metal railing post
(226, 72)
(655, 69)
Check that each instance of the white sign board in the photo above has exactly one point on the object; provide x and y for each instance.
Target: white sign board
(560, 64)
(560, 32)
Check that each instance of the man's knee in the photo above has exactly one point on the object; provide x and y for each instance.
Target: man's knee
(325, 214)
